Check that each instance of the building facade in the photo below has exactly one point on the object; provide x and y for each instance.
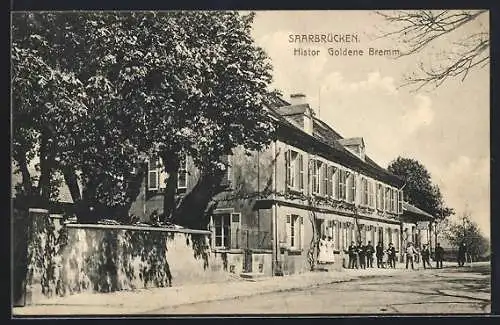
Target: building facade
(309, 181)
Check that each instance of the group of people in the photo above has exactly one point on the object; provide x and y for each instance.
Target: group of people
(412, 254)
(326, 250)
(361, 256)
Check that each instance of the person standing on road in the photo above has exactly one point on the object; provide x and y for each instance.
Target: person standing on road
(410, 254)
(379, 254)
(426, 256)
(439, 256)
(362, 255)
(369, 254)
(462, 250)
(331, 250)
(352, 255)
(322, 258)
(391, 254)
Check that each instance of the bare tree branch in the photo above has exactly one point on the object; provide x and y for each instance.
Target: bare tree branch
(415, 30)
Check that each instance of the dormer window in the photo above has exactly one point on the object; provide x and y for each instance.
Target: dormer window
(354, 145)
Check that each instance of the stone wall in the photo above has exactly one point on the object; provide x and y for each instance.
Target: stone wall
(63, 259)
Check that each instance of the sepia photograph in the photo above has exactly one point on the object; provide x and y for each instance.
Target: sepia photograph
(203, 162)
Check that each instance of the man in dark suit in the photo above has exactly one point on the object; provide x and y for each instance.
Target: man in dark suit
(462, 250)
(425, 256)
(352, 255)
(362, 255)
(439, 256)
(369, 254)
(391, 255)
(380, 254)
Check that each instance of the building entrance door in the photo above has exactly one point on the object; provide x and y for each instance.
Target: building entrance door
(381, 235)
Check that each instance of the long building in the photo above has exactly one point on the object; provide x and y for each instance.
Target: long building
(309, 180)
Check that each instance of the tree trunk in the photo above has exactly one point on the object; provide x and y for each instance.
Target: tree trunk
(191, 212)
(25, 174)
(46, 168)
(171, 163)
(132, 191)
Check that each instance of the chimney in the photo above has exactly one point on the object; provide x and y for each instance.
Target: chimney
(307, 123)
(297, 99)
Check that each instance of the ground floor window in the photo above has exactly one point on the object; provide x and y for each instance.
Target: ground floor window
(222, 229)
(294, 231)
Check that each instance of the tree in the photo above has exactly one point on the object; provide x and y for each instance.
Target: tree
(96, 93)
(419, 190)
(467, 231)
(417, 30)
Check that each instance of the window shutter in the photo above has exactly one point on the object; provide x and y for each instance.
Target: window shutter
(212, 230)
(400, 202)
(235, 230)
(288, 174)
(282, 229)
(335, 185)
(288, 229)
(301, 172)
(301, 233)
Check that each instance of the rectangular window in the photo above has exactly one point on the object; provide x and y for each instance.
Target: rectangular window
(182, 174)
(315, 176)
(222, 229)
(294, 224)
(342, 184)
(329, 181)
(383, 196)
(351, 187)
(301, 172)
(324, 172)
(335, 182)
(371, 194)
(364, 186)
(153, 174)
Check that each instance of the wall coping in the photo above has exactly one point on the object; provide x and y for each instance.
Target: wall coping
(137, 228)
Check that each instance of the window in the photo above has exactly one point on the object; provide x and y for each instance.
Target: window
(351, 187)
(329, 181)
(294, 170)
(342, 184)
(301, 172)
(364, 189)
(294, 231)
(315, 176)
(371, 194)
(153, 174)
(380, 197)
(324, 180)
(222, 229)
(335, 183)
(394, 201)
(182, 174)
(386, 198)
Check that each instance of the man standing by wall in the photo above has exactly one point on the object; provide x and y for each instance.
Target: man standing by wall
(391, 254)
(425, 256)
(352, 256)
(462, 250)
(410, 254)
(369, 254)
(439, 256)
(379, 254)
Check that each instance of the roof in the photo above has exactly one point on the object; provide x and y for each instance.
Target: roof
(407, 207)
(358, 141)
(328, 140)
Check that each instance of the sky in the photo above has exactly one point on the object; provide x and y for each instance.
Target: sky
(446, 128)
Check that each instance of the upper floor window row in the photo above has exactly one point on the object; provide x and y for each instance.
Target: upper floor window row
(341, 184)
(157, 176)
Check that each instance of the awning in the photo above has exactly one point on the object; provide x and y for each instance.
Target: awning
(413, 214)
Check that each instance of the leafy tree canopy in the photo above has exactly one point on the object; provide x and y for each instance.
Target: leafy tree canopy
(419, 189)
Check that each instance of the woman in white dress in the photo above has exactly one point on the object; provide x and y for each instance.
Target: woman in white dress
(323, 251)
(331, 254)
